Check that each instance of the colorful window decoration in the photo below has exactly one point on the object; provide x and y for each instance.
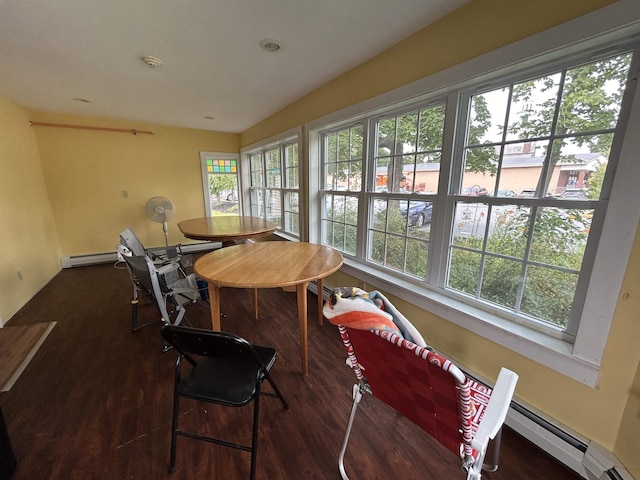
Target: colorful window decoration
(222, 166)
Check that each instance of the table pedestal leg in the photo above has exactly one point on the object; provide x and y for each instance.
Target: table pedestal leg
(301, 293)
(214, 303)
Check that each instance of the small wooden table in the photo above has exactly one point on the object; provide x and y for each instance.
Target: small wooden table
(267, 265)
(226, 229)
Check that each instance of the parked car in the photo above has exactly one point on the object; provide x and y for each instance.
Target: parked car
(419, 213)
(506, 193)
(528, 193)
(574, 194)
(475, 191)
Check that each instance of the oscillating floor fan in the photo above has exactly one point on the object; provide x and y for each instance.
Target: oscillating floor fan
(161, 210)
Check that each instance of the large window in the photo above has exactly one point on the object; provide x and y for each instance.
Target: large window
(490, 194)
(274, 182)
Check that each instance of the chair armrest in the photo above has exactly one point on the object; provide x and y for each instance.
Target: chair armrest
(163, 252)
(496, 411)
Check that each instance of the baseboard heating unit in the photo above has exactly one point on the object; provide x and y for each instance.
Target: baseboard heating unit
(109, 257)
(588, 459)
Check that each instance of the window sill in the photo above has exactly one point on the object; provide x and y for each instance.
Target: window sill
(554, 353)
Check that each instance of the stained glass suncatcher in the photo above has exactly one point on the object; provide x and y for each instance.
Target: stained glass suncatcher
(222, 166)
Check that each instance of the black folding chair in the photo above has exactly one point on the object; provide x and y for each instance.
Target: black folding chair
(226, 370)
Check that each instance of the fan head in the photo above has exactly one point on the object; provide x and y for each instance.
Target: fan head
(160, 209)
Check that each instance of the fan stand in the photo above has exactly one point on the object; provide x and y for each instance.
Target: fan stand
(165, 229)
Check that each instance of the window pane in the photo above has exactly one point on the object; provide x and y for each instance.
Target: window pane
(257, 177)
(340, 222)
(291, 165)
(500, 281)
(343, 160)
(487, 116)
(431, 129)
(604, 81)
(508, 230)
(409, 151)
(273, 209)
(533, 107)
(559, 238)
(273, 168)
(417, 253)
(480, 167)
(464, 271)
(548, 295)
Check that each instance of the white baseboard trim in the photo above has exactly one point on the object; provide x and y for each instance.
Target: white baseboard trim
(110, 257)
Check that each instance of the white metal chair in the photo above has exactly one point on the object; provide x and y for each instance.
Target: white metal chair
(168, 289)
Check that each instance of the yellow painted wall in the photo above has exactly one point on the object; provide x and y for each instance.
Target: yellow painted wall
(87, 171)
(623, 345)
(608, 414)
(28, 240)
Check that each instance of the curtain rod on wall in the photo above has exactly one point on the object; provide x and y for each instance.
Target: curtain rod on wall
(85, 127)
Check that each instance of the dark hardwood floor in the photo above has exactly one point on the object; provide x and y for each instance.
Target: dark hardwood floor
(95, 401)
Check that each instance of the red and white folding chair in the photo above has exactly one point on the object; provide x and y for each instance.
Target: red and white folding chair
(460, 413)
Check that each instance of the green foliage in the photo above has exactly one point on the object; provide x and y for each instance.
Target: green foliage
(556, 247)
(221, 182)
(595, 182)
(589, 101)
(480, 159)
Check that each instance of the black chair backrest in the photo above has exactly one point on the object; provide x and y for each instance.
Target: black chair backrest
(190, 341)
(140, 270)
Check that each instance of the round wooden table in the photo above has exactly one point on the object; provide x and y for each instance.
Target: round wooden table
(226, 229)
(266, 265)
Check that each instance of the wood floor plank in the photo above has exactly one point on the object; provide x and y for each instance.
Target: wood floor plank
(18, 345)
(95, 401)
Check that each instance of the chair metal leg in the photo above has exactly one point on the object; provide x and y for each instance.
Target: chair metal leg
(277, 391)
(492, 457)
(134, 315)
(174, 420)
(254, 437)
(357, 396)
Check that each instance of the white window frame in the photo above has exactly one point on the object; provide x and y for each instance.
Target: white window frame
(580, 360)
(293, 135)
(205, 176)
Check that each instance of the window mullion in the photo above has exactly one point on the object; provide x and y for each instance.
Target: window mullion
(442, 221)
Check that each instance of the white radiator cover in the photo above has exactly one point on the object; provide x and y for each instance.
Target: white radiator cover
(587, 458)
(108, 257)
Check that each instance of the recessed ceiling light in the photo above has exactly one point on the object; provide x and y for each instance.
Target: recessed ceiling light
(269, 45)
(82, 100)
(151, 61)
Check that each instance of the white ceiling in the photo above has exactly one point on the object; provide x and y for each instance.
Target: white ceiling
(55, 51)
